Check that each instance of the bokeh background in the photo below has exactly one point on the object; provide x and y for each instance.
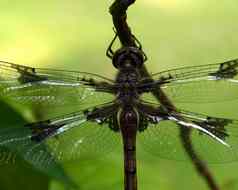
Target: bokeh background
(75, 34)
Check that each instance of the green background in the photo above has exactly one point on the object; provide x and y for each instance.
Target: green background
(75, 34)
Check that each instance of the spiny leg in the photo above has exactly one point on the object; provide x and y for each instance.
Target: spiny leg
(139, 46)
(109, 51)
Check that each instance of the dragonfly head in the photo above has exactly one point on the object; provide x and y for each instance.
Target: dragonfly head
(128, 57)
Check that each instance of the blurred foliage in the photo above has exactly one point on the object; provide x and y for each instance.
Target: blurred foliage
(14, 168)
(14, 171)
(75, 34)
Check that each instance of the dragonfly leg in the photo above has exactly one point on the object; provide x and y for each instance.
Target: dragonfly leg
(109, 51)
(137, 42)
(139, 46)
(103, 114)
(150, 114)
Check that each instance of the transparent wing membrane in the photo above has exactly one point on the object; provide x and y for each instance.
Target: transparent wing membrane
(94, 131)
(226, 70)
(205, 83)
(213, 139)
(50, 87)
(203, 91)
(70, 137)
(89, 141)
(18, 140)
(25, 74)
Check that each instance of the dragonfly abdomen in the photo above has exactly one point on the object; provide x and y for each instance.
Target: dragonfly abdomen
(128, 119)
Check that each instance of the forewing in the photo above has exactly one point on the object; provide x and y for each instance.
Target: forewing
(213, 139)
(65, 138)
(49, 87)
(205, 83)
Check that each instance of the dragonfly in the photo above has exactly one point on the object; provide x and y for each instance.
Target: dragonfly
(103, 113)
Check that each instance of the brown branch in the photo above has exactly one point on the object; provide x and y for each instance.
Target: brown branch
(118, 12)
(198, 163)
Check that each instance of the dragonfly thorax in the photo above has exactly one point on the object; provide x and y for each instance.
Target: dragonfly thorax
(127, 80)
(127, 57)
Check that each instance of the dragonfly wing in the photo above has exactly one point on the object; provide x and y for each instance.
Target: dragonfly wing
(18, 141)
(213, 139)
(49, 87)
(70, 137)
(205, 83)
(91, 139)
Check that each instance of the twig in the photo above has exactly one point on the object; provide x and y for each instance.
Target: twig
(118, 11)
(198, 163)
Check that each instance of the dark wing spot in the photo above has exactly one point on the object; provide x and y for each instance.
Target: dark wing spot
(227, 70)
(28, 74)
(216, 126)
(42, 130)
(27, 77)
